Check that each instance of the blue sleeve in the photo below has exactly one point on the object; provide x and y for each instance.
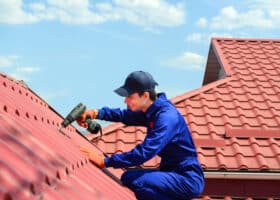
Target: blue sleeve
(125, 116)
(156, 139)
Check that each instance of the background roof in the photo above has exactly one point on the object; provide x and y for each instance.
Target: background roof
(234, 117)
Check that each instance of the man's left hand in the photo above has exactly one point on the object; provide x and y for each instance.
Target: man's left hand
(97, 159)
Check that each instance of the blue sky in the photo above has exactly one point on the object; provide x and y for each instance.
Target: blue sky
(71, 51)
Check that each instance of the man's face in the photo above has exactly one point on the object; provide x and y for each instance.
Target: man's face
(135, 102)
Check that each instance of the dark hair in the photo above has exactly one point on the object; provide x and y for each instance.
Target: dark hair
(152, 94)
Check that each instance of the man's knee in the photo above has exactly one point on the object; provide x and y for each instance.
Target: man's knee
(125, 178)
(129, 178)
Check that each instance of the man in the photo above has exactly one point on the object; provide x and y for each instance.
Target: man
(180, 175)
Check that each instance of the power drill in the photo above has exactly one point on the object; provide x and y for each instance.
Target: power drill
(76, 113)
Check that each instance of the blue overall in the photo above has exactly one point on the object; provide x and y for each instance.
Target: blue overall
(180, 175)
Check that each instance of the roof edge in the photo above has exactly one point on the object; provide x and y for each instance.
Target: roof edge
(112, 127)
(245, 39)
(219, 55)
(19, 82)
(25, 86)
(243, 175)
(200, 90)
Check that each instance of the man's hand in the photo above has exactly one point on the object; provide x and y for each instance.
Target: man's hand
(97, 159)
(91, 114)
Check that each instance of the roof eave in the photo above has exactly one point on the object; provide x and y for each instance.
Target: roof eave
(243, 175)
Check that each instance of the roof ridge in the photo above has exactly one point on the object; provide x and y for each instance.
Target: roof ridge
(22, 83)
(200, 90)
(112, 127)
(221, 58)
(245, 39)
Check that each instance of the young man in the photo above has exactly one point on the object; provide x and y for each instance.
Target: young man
(180, 175)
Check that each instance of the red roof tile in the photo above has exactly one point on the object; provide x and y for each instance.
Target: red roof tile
(37, 161)
(235, 116)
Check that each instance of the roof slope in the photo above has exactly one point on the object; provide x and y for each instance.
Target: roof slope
(234, 117)
(37, 161)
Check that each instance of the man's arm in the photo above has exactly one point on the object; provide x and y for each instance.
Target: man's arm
(157, 138)
(125, 116)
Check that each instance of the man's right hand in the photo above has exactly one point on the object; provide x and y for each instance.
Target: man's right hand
(92, 114)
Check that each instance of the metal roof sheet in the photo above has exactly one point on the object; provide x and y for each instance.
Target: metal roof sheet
(37, 161)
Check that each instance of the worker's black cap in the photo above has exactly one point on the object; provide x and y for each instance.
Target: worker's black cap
(137, 81)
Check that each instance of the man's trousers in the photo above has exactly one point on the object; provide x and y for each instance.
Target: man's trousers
(159, 185)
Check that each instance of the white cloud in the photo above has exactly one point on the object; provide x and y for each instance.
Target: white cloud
(7, 61)
(269, 5)
(104, 6)
(187, 61)
(10, 65)
(145, 13)
(12, 12)
(37, 7)
(260, 14)
(27, 70)
(73, 12)
(151, 13)
(202, 22)
(272, 8)
(195, 37)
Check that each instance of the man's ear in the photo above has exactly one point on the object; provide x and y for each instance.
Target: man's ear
(147, 95)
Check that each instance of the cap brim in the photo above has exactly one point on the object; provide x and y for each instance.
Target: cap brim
(122, 91)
